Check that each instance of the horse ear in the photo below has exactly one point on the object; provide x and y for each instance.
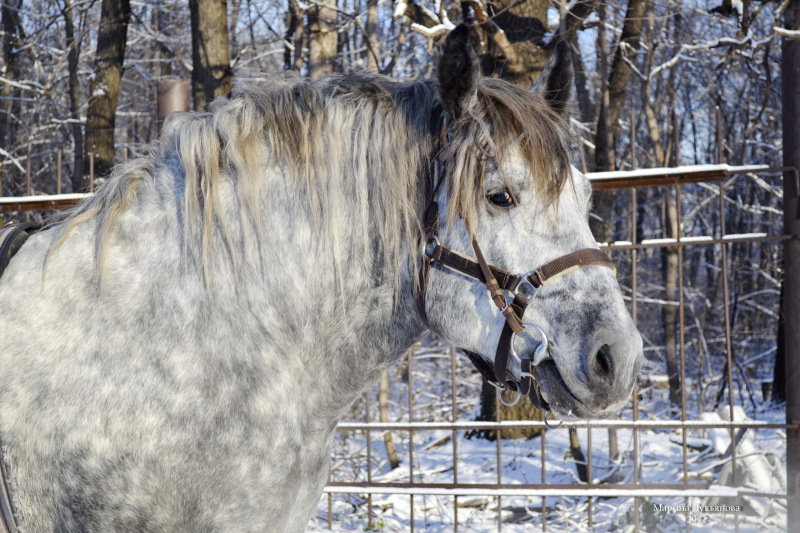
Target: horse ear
(458, 71)
(558, 80)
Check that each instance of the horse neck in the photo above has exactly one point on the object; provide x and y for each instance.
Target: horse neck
(334, 323)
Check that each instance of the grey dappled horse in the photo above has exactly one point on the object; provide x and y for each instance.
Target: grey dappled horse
(176, 353)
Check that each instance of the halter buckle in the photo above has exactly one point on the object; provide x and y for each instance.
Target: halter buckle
(525, 289)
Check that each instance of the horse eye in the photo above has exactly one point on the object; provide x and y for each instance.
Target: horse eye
(502, 198)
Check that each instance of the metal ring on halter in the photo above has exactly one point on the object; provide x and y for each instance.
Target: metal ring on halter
(548, 424)
(432, 240)
(539, 355)
(516, 397)
(503, 388)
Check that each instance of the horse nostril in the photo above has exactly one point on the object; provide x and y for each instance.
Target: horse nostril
(602, 361)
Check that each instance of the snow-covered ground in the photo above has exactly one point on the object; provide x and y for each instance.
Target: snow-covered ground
(760, 464)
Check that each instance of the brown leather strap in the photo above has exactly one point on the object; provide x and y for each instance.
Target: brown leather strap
(503, 350)
(482, 366)
(495, 291)
(463, 264)
(508, 281)
(567, 263)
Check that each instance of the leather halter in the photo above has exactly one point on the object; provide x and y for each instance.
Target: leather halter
(511, 293)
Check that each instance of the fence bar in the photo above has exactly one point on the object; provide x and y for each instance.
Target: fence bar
(589, 476)
(454, 434)
(368, 435)
(411, 432)
(533, 424)
(91, 171)
(543, 445)
(58, 171)
(561, 491)
(498, 442)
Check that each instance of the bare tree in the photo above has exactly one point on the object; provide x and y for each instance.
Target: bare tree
(101, 114)
(294, 36)
(612, 99)
(73, 43)
(12, 36)
(323, 38)
(211, 69)
(371, 31)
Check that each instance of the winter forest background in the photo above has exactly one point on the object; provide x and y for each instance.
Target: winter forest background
(657, 84)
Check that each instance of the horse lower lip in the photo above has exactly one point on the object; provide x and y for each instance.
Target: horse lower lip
(536, 397)
(556, 395)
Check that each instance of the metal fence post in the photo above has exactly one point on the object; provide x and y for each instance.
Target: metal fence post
(791, 314)
(790, 74)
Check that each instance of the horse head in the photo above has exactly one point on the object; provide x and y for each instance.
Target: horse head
(507, 196)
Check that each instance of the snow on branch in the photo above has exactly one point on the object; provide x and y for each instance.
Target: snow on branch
(708, 45)
(433, 32)
(27, 85)
(12, 159)
(789, 34)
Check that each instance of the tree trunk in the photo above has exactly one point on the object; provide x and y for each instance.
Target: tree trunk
(293, 40)
(74, 89)
(371, 29)
(577, 455)
(669, 313)
(211, 69)
(101, 113)
(525, 25)
(323, 40)
(670, 258)
(610, 110)
(383, 407)
(12, 37)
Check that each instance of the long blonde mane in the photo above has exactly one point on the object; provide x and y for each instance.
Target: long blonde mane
(356, 148)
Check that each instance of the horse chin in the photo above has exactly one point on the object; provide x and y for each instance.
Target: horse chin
(551, 393)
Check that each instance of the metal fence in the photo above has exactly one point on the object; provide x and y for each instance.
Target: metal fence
(715, 459)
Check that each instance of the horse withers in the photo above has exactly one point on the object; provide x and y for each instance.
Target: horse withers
(175, 354)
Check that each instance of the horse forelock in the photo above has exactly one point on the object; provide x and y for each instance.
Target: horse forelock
(506, 117)
(355, 148)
